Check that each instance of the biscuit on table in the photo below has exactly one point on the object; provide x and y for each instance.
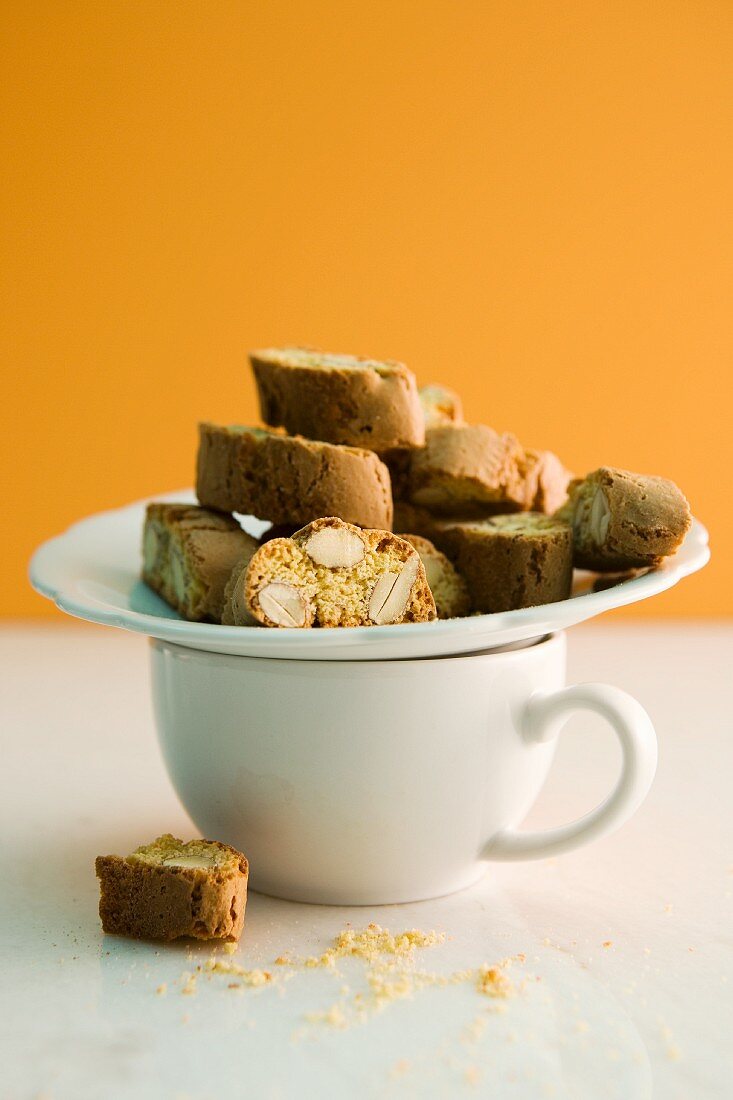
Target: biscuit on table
(623, 520)
(339, 398)
(188, 556)
(513, 561)
(447, 585)
(440, 405)
(467, 469)
(169, 889)
(331, 574)
(287, 479)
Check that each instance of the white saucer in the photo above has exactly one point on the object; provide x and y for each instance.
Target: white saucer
(92, 571)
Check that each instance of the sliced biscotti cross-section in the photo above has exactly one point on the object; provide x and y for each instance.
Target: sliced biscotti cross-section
(286, 479)
(331, 574)
(339, 398)
(446, 583)
(467, 469)
(169, 889)
(623, 520)
(188, 556)
(513, 561)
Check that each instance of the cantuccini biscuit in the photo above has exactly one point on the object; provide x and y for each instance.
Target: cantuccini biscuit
(513, 561)
(623, 520)
(546, 481)
(286, 479)
(188, 556)
(466, 469)
(331, 574)
(440, 405)
(169, 889)
(447, 585)
(339, 398)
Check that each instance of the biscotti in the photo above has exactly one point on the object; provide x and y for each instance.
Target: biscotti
(331, 574)
(169, 889)
(286, 479)
(188, 556)
(339, 398)
(512, 561)
(440, 405)
(546, 481)
(466, 470)
(623, 520)
(447, 585)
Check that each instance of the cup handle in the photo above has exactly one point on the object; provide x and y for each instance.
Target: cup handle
(545, 714)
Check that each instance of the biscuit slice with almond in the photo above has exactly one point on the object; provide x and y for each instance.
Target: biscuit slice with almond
(446, 583)
(169, 889)
(623, 520)
(188, 557)
(331, 574)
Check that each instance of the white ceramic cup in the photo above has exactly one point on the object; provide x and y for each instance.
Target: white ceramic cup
(370, 782)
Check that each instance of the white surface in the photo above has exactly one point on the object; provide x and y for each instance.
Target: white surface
(649, 1015)
(315, 767)
(92, 571)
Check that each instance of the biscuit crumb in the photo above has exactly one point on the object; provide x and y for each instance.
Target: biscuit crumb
(493, 982)
(607, 943)
(162, 989)
(254, 977)
(401, 1068)
(230, 948)
(332, 1017)
(188, 982)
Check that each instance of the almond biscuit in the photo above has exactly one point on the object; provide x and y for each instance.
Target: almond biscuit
(169, 889)
(339, 398)
(188, 556)
(331, 574)
(623, 520)
(287, 479)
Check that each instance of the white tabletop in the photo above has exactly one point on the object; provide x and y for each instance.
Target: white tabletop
(625, 991)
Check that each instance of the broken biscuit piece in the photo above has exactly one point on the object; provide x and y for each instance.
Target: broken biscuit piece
(169, 889)
(447, 585)
(467, 469)
(331, 574)
(339, 398)
(508, 562)
(440, 405)
(546, 481)
(188, 556)
(286, 479)
(623, 520)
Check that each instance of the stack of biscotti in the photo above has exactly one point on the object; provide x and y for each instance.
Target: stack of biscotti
(386, 506)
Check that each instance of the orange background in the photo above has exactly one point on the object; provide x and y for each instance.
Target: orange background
(528, 201)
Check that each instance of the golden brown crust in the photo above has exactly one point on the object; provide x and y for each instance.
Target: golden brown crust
(622, 520)
(446, 583)
(440, 405)
(330, 574)
(338, 398)
(152, 899)
(546, 481)
(188, 555)
(508, 562)
(286, 479)
(467, 469)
